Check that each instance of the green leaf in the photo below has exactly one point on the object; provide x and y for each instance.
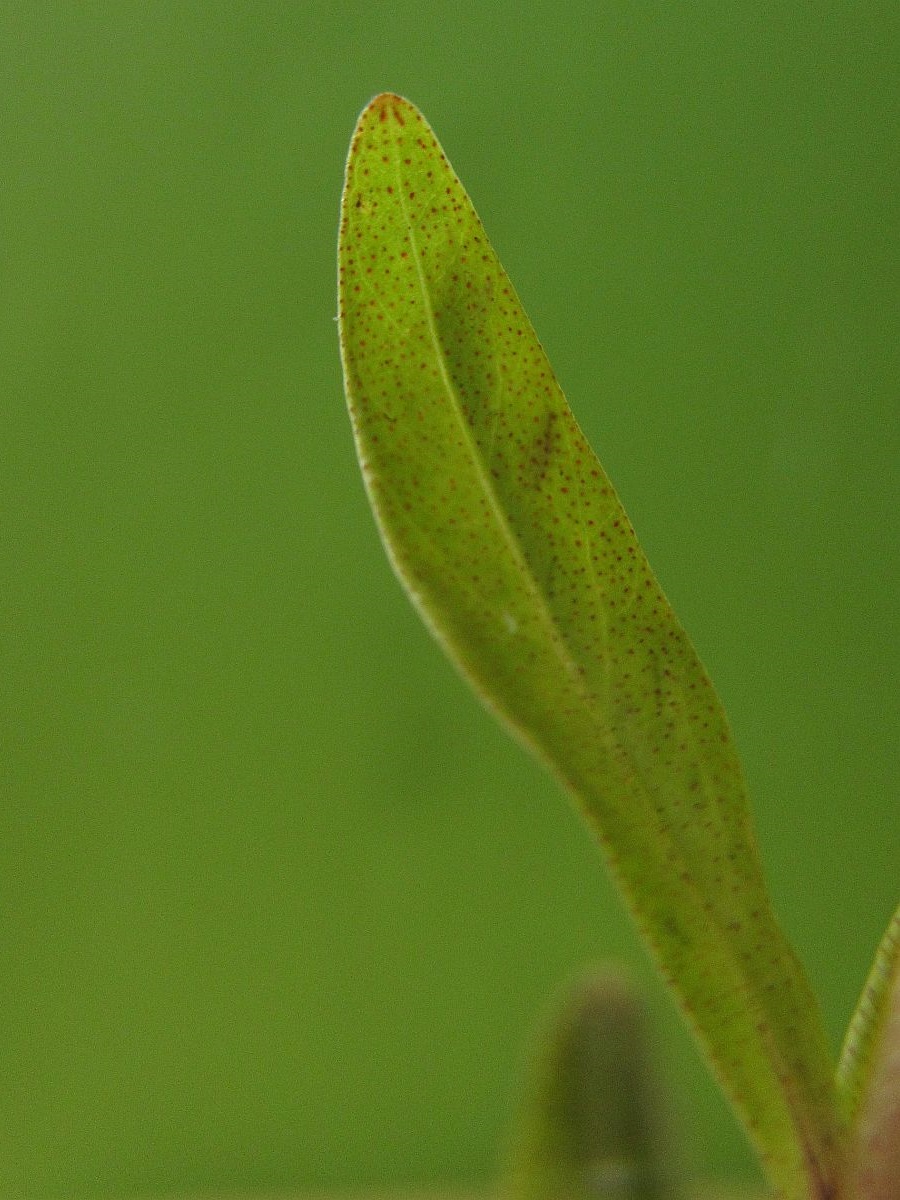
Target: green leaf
(593, 1126)
(511, 542)
(868, 1075)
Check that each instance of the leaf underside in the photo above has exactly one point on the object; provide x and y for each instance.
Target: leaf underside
(510, 540)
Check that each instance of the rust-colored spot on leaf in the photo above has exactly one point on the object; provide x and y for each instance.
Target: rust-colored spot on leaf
(388, 104)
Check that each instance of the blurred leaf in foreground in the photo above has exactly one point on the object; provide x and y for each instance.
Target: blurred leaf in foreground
(510, 540)
(593, 1126)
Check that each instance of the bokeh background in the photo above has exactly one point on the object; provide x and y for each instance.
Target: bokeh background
(279, 905)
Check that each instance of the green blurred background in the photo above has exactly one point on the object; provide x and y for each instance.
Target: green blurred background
(279, 906)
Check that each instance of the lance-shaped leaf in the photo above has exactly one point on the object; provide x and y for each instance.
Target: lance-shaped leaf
(593, 1125)
(869, 1075)
(510, 540)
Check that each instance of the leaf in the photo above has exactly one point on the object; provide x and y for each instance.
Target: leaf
(868, 1075)
(593, 1126)
(511, 542)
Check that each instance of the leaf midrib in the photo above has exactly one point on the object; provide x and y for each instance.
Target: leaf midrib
(560, 646)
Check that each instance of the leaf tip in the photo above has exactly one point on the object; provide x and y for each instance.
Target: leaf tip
(388, 106)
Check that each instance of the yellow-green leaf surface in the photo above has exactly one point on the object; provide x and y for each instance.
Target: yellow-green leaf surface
(869, 1075)
(500, 522)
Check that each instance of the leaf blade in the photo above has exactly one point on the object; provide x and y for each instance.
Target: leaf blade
(511, 541)
(868, 1074)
